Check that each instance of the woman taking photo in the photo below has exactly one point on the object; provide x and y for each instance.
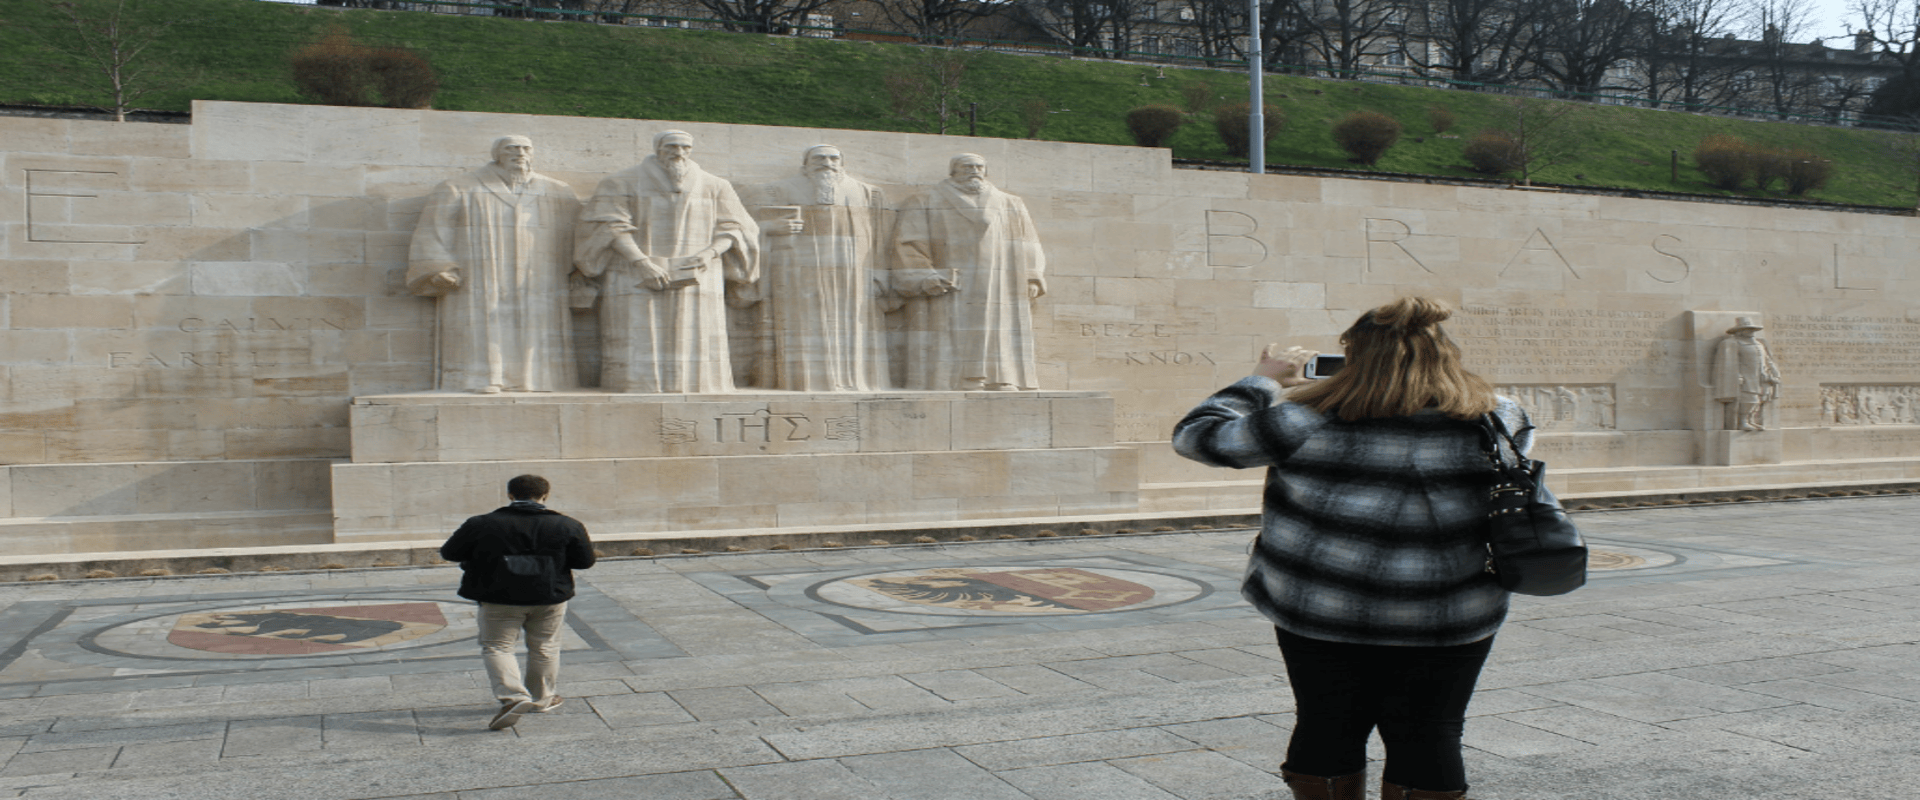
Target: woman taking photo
(1370, 560)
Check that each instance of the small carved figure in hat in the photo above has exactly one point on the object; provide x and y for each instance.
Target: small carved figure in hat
(1745, 378)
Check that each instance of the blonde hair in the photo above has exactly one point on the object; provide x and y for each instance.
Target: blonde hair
(1400, 361)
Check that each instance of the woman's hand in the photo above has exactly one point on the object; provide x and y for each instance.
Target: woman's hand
(1284, 367)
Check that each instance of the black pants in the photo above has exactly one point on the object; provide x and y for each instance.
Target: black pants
(1416, 696)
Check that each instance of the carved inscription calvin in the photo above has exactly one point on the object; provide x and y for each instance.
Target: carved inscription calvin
(39, 230)
(1823, 344)
(763, 426)
(1861, 404)
(1557, 342)
(1231, 241)
(1566, 407)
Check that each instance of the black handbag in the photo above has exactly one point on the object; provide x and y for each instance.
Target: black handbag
(1532, 547)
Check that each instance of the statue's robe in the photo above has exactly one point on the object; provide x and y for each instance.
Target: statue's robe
(507, 324)
(670, 340)
(980, 335)
(822, 288)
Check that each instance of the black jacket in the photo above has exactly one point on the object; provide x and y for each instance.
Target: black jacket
(481, 542)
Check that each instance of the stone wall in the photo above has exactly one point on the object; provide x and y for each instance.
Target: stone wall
(182, 302)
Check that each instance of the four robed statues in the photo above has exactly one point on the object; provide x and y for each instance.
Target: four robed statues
(789, 285)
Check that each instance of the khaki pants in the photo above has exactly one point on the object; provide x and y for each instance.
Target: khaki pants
(500, 627)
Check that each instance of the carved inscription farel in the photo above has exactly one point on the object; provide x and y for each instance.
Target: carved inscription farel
(1819, 343)
(1557, 342)
(1863, 404)
(143, 359)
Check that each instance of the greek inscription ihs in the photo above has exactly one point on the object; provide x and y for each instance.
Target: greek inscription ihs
(764, 426)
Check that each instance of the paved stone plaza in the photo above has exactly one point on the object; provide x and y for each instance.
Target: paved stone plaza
(1741, 651)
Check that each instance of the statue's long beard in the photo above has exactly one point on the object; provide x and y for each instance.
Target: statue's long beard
(826, 183)
(972, 184)
(677, 171)
(518, 174)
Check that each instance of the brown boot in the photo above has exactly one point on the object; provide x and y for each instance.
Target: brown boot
(1393, 791)
(1314, 787)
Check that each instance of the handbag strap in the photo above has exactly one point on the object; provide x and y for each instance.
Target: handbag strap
(1493, 431)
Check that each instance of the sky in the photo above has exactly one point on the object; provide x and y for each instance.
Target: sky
(1828, 21)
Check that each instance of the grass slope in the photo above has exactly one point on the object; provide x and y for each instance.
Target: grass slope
(236, 50)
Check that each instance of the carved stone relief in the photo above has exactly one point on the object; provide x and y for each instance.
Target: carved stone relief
(1867, 404)
(1566, 407)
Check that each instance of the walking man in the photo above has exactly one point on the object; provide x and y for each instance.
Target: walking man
(518, 564)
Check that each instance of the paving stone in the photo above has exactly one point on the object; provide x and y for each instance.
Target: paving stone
(1074, 748)
(121, 736)
(169, 754)
(257, 737)
(372, 729)
(703, 785)
(955, 685)
(1248, 740)
(1034, 679)
(629, 710)
(806, 780)
(728, 703)
(1196, 775)
(938, 774)
(807, 699)
(1082, 781)
(60, 761)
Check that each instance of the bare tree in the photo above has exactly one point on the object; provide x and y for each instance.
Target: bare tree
(1472, 41)
(1894, 28)
(1219, 26)
(1688, 62)
(1581, 42)
(1545, 133)
(112, 36)
(933, 21)
(762, 16)
(932, 90)
(1340, 34)
(1078, 23)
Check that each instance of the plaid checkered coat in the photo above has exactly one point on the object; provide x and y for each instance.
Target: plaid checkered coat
(1371, 530)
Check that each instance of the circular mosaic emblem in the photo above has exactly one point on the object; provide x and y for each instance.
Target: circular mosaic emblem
(1606, 559)
(1616, 558)
(1010, 591)
(288, 630)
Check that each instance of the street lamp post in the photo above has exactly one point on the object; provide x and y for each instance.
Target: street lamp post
(1257, 105)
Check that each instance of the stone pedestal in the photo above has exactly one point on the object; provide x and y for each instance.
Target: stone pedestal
(1741, 448)
(630, 463)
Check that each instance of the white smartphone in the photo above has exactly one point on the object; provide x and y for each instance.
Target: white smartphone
(1323, 366)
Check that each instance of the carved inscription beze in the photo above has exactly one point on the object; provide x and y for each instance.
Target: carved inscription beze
(761, 426)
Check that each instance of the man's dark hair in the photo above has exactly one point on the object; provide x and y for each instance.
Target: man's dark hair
(528, 487)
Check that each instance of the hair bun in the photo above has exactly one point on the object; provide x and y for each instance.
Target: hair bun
(1412, 313)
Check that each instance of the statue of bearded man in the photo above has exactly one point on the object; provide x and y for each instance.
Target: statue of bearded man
(968, 257)
(666, 238)
(494, 245)
(824, 278)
